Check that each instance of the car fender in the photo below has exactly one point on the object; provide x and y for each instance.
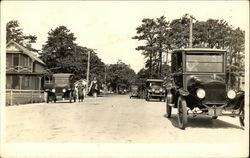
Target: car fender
(183, 92)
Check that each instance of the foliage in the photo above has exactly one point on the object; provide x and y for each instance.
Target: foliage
(154, 33)
(15, 33)
(120, 74)
(161, 36)
(62, 55)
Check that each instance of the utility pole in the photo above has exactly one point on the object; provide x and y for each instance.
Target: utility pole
(191, 32)
(88, 67)
(87, 85)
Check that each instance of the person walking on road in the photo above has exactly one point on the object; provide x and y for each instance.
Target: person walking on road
(93, 89)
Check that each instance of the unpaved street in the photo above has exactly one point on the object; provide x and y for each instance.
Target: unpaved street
(114, 119)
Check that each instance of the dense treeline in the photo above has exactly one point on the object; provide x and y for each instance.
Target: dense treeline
(160, 36)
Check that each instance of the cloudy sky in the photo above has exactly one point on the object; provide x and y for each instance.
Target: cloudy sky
(108, 26)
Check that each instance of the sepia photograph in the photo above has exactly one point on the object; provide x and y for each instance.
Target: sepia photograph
(124, 79)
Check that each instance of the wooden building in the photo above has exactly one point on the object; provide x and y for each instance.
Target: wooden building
(24, 70)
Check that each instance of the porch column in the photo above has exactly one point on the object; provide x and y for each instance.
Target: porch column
(20, 82)
(39, 82)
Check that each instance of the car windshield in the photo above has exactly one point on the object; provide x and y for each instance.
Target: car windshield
(61, 80)
(200, 62)
(155, 84)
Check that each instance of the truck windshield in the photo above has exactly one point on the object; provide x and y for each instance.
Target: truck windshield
(61, 80)
(155, 84)
(200, 62)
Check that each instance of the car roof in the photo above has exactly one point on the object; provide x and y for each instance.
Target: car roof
(200, 49)
(62, 74)
(154, 80)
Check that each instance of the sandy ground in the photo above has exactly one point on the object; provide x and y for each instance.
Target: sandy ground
(114, 119)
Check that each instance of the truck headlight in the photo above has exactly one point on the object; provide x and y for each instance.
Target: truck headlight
(64, 90)
(231, 94)
(200, 93)
(53, 90)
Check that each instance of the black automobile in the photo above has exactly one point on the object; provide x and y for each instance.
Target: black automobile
(199, 86)
(60, 86)
(134, 91)
(154, 89)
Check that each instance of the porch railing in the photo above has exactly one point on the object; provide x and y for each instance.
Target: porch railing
(16, 97)
(19, 68)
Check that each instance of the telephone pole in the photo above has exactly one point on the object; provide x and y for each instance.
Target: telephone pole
(88, 67)
(191, 32)
(87, 85)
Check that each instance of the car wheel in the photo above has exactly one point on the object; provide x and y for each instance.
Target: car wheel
(70, 97)
(182, 112)
(168, 110)
(242, 114)
(47, 99)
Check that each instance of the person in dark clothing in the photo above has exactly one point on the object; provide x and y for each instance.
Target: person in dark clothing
(93, 89)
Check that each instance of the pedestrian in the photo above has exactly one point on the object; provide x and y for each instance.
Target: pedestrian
(93, 89)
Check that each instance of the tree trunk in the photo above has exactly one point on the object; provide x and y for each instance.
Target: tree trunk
(150, 64)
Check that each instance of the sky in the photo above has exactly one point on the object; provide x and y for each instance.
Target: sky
(109, 25)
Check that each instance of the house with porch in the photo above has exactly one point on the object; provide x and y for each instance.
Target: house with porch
(24, 73)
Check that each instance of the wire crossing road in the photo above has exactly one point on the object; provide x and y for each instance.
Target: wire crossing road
(114, 119)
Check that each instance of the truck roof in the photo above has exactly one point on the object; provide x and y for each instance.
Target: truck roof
(200, 49)
(154, 80)
(62, 74)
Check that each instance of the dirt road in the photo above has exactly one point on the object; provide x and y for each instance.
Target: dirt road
(114, 119)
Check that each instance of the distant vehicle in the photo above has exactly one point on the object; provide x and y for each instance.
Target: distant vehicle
(199, 86)
(134, 91)
(154, 89)
(60, 86)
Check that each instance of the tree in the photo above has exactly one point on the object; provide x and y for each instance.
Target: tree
(120, 74)
(62, 55)
(160, 36)
(154, 32)
(15, 33)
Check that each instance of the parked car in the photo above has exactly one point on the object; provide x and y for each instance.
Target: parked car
(199, 86)
(61, 86)
(154, 89)
(134, 91)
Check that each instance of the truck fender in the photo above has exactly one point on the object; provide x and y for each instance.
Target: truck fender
(183, 92)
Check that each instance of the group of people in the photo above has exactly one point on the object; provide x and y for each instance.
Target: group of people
(80, 89)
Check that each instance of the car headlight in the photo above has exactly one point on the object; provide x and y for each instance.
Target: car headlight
(64, 90)
(53, 90)
(200, 93)
(231, 94)
(153, 89)
(161, 90)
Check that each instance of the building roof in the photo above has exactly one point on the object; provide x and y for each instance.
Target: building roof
(26, 51)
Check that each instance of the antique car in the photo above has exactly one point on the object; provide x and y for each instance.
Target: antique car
(154, 89)
(199, 86)
(60, 86)
(134, 91)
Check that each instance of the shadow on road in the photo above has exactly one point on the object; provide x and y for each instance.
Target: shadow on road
(203, 122)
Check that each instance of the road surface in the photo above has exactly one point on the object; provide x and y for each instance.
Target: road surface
(113, 119)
